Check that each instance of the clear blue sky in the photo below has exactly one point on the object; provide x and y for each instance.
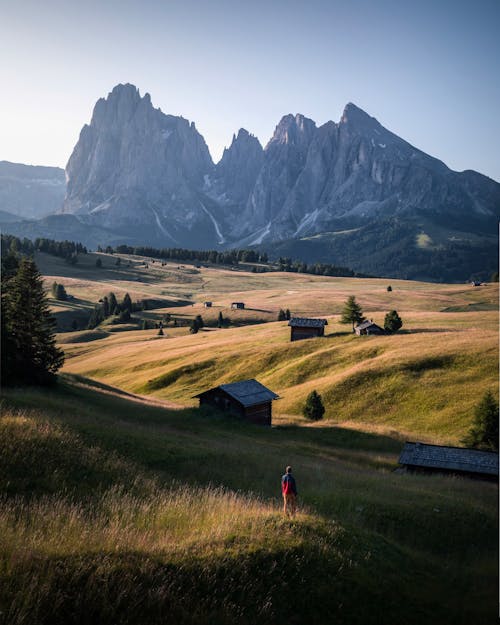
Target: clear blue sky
(429, 70)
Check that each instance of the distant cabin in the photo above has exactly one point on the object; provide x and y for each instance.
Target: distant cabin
(250, 400)
(421, 457)
(475, 283)
(207, 304)
(368, 327)
(304, 328)
(238, 305)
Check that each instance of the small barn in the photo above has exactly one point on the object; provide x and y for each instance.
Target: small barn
(367, 328)
(238, 305)
(421, 457)
(475, 283)
(207, 304)
(250, 400)
(305, 328)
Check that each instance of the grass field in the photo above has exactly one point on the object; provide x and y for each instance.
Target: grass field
(115, 510)
(122, 502)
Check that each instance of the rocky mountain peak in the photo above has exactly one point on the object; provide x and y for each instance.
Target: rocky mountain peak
(293, 130)
(356, 117)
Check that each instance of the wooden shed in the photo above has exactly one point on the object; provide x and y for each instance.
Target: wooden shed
(207, 304)
(238, 305)
(426, 458)
(305, 328)
(367, 328)
(250, 400)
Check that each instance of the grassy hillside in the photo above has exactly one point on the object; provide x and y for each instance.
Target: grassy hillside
(422, 382)
(119, 511)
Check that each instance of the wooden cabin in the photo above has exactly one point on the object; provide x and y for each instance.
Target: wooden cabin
(475, 283)
(421, 457)
(367, 328)
(304, 328)
(250, 400)
(207, 304)
(238, 305)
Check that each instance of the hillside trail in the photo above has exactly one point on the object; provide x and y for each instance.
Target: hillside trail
(114, 391)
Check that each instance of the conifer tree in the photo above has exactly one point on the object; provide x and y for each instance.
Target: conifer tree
(281, 315)
(313, 408)
(484, 431)
(127, 303)
(29, 351)
(220, 320)
(200, 322)
(105, 307)
(61, 294)
(392, 322)
(98, 263)
(352, 312)
(288, 314)
(112, 303)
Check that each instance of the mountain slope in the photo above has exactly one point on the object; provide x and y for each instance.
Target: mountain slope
(30, 192)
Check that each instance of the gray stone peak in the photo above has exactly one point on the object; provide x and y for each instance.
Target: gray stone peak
(354, 115)
(293, 129)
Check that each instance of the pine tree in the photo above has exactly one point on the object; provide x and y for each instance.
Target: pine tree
(112, 303)
(160, 331)
(105, 307)
(220, 320)
(200, 322)
(484, 431)
(392, 322)
(127, 303)
(389, 288)
(61, 294)
(194, 326)
(313, 408)
(352, 312)
(29, 351)
(53, 290)
(288, 314)
(98, 263)
(281, 315)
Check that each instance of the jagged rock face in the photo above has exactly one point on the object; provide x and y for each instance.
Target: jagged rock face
(351, 172)
(235, 174)
(148, 178)
(135, 167)
(30, 192)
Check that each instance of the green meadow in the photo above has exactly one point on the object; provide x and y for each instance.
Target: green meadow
(122, 502)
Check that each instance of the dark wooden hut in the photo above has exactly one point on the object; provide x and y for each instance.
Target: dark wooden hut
(207, 304)
(304, 328)
(238, 305)
(249, 400)
(426, 458)
(367, 328)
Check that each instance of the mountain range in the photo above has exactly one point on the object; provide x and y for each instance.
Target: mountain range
(350, 193)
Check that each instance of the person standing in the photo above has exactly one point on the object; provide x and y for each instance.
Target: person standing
(289, 491)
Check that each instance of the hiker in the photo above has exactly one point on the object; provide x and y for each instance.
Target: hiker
(289, 490)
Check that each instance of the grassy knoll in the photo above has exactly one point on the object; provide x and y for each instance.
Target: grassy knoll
(118, 511)
(423, 381)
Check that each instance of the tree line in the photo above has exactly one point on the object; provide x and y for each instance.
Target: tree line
(229, 257)
(68, 250)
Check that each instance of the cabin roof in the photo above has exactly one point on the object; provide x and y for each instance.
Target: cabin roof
(367, 324)
(304, 322)
(449, 458)
(247, 392)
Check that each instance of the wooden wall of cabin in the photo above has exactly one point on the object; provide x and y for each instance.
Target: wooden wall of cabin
(217, 398)
(298, 333)
(261, 414)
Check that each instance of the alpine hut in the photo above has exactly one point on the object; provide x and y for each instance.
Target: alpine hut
(368, 327)
(304, 328)
(249, 400)
(421, 457)
(237, 305)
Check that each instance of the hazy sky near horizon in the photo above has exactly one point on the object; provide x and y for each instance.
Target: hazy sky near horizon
(428, 70)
